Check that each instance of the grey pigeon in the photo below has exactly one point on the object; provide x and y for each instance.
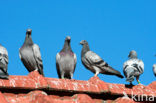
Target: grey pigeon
(94, 63)
(133, 67)
(30, 54)
(66, 61)
(154, 69)
(3, 63)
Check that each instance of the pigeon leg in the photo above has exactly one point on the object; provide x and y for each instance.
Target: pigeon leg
(96, 74)
(137, 78)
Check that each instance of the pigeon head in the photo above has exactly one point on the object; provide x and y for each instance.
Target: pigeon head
(67, 46)
(132, 54)
(83, 42)
(28, 39)
(68, 38)
(85, 47)
(28, 31)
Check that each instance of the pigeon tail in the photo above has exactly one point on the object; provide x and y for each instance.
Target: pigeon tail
(130, 79)
(110, 71)
(130, 74)
(119, 75)
(41, 72)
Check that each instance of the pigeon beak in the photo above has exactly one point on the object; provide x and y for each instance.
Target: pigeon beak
(81, 43)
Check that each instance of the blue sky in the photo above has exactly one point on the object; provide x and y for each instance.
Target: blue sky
(112, 28)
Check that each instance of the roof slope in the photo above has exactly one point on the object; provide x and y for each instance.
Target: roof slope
(35, 88)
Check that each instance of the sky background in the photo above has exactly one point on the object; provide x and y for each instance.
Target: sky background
(113, 28)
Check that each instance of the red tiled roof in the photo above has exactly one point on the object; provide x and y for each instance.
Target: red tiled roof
(35, 88)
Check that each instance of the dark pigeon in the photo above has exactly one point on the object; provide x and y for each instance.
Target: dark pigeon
(66, 61)
(30, 54)
(133, 67)
(3, 63)
(94, 63)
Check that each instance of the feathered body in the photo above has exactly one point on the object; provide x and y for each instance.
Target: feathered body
(133, 67)
(95, 63)
(66, 61)
(30, 55)
(3, 63)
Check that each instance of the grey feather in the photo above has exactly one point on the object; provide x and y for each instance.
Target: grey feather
(66, 61)
(95, 63)
(37, 56)
(133, 67)
(128, 72)
(3, 63)
(30, 55)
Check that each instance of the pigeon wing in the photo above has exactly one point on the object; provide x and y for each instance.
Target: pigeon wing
(37, 56)
(75, 61)
(141, 66)
(125, 65)
(94, 60)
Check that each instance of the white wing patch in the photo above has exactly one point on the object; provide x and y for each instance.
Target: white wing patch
(92, 56)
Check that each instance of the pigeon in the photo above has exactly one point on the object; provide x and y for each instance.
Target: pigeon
(154, 69)
(66, 61)
(3, 63)
(30, 54)
(133, 67)
(95, 63)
